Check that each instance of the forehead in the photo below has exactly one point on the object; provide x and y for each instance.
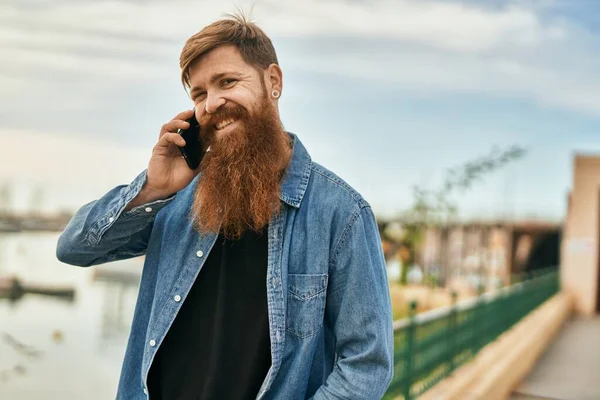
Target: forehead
(223, 59)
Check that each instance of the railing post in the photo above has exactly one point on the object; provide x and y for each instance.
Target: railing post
(452, 335)
(410, 347)
(480, 319)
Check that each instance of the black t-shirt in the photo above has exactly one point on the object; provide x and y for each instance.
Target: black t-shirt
(218, 346)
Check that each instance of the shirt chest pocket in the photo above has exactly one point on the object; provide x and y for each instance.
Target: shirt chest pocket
(306, 303)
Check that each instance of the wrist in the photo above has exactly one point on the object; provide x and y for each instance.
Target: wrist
(147, 195)
(151, 194)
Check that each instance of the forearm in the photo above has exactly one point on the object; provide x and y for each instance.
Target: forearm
(145, 196)
(103, 231)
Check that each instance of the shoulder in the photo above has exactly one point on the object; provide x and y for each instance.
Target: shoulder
(333, 202)
(330, 186)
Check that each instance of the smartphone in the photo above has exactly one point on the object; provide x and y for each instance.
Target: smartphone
(192, 152)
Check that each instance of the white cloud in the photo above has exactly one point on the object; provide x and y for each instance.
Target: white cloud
(71, 159)
(441, 24)
(501, 75)
(89, 65)
(422, 45)
(71, 171)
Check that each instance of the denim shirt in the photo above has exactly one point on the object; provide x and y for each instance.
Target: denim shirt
(328, 299)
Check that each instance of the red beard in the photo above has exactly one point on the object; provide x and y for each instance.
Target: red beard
(240, 177)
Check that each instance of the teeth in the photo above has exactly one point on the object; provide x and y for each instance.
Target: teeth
(223, 124)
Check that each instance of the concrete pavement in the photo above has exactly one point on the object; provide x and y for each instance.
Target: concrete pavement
(570, 367)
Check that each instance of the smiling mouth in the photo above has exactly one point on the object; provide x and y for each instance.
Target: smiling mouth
(224, 124)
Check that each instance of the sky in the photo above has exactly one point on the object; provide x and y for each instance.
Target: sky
(387, 94)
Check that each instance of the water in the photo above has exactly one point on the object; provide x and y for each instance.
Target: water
(74, 350)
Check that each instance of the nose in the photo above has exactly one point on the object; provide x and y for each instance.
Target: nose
(213, 102)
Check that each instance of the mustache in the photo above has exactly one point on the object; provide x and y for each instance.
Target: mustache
(208, 121)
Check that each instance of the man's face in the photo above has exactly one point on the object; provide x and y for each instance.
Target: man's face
(240, 176)
(226, 91)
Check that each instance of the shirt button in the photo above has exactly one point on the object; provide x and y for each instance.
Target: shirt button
(200, 253)
(148, 209)
(177, 298)
(152, 343)
(111, 219)
(145, 391)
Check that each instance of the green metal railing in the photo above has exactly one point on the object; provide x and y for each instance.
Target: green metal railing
(429, 346)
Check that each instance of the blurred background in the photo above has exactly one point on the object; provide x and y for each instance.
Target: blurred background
(458, 120)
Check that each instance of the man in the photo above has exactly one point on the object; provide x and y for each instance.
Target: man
(264, 275)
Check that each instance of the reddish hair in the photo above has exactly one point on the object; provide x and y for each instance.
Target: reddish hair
(253, 44)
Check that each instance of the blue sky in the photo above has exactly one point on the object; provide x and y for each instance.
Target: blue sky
(387, 94)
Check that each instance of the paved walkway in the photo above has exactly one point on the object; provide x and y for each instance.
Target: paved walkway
(570, 367)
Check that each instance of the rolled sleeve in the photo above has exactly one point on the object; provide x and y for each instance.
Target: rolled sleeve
(103, 231)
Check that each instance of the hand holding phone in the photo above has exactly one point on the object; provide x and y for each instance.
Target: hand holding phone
(168, 173)
(192, 152)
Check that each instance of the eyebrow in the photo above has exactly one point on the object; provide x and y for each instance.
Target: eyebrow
(215, 78)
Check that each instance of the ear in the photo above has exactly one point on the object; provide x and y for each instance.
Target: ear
(274, 77)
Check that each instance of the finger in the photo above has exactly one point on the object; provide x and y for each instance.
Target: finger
(166, 142)
(173, 126)
(171, 137)
(184, 115)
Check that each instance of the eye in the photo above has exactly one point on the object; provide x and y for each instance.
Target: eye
(228, 82)
(199, 97)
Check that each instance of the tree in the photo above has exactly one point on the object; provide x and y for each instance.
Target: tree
(436, 207)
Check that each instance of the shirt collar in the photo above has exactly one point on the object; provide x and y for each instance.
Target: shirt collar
(297, 173)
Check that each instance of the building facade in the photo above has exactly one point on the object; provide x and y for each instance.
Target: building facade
(580, 261)
(489, 255)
